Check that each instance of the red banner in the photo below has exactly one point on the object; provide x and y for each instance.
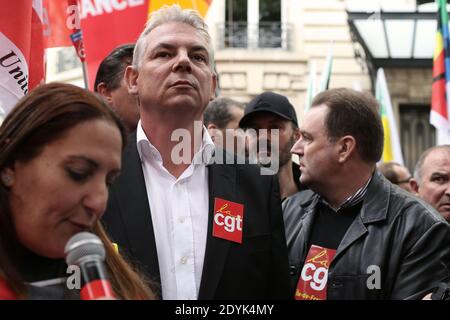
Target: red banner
(56, 31)
(108, 25)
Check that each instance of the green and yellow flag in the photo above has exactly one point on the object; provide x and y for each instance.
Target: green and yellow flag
(392, 150)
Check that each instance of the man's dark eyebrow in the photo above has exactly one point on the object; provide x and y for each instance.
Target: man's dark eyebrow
(169, 46)
(163, 46)
(199, 48)
(276, 121)
(438, 174)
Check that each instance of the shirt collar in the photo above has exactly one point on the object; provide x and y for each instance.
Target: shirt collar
(354, 199)
(147, 150)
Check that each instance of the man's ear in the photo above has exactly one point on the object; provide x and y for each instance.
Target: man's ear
(414, 186)
(104, 92)
(211, 126)
(213, 87)
(131, 78)
(213, 131)
(346, 145)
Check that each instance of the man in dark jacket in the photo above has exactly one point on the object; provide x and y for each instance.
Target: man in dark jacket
(199, 228)
(359, 237)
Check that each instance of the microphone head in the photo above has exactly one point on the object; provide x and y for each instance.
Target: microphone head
(82, 246)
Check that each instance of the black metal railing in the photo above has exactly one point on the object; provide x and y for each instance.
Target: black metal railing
(254, 36)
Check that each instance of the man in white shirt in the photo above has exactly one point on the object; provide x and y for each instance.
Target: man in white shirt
(200, 229)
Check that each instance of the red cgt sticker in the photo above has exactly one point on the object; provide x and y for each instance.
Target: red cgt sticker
(228, 220)
(312, 284)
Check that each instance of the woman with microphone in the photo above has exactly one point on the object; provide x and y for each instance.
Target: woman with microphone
(60, 149)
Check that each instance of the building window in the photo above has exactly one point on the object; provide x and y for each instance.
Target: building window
(67, 60)
(416, 133)
(253, 24)
(269, 27)
(236, 24)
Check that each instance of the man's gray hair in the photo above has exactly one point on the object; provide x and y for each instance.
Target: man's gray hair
(168, 14)
(420, 162)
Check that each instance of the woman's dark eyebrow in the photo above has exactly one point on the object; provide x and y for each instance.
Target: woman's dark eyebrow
(86, 159)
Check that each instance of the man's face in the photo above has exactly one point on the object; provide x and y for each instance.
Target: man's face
(435, 181)
(174, 74)
(126, 106)
(228, 136)
(287, 136)
(318, 156)
(236, 116)
(403, 176)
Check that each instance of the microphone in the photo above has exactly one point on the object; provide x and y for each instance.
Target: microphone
(86, 250)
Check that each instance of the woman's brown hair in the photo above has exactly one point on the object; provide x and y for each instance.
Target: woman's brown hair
(39, 118)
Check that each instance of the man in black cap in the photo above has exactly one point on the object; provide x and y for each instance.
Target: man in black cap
(270, 111)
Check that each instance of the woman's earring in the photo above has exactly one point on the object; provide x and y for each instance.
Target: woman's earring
(6, 179)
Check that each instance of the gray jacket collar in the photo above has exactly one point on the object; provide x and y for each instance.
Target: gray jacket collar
(376, 201)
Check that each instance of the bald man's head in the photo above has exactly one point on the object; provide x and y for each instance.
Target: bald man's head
(432, 179)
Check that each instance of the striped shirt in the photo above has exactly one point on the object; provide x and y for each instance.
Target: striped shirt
(357, 197)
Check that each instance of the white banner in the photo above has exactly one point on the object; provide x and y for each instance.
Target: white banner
(13, 74)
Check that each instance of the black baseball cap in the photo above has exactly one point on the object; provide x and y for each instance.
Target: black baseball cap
(269, 102)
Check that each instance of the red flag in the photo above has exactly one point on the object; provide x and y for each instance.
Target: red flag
(440, 99)
(107, 25)
(56, 31)
(21, 50)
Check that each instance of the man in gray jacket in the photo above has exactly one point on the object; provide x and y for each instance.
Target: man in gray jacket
(359, 236)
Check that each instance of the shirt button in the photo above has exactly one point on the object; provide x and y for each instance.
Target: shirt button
(293, 270)
(181, 220)
(336, 284)
(183, 260)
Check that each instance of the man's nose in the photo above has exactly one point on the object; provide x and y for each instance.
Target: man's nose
(297, 148)
(264, 134)
(182, 63)
(447, 190)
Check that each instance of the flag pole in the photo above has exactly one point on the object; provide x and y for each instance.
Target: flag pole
(77, 40)
(85, 75)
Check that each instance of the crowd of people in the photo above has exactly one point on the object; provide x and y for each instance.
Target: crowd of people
(197, 217)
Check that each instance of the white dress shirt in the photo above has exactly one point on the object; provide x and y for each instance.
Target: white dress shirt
(179, 211)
